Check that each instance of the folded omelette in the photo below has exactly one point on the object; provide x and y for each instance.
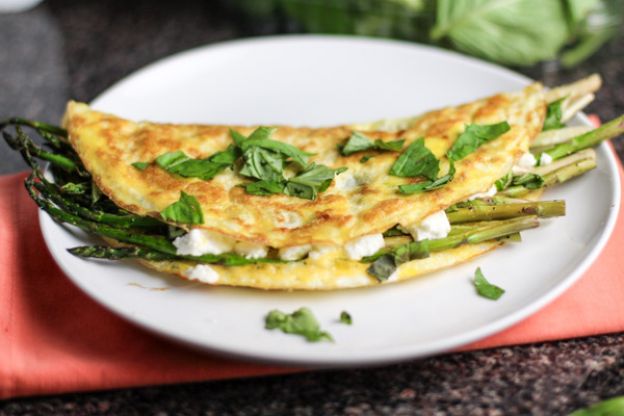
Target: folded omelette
(318, 233)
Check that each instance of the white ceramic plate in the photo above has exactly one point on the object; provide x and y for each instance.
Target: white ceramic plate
(319, 80)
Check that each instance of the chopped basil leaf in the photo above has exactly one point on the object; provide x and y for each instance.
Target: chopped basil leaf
(263, 164)
(301, 322)
(385, 262)
(180, 164)
(528, 180)
(504, 182)
(391, 146)
(185, 211)
(473, 137)
(259, 138)
(553, 115)
(366, 158)
(264, 188)
(141, 165)
(358, 142)
(237, 137)
(383, 267)
(416, 161)
(415, 188)
(314, 179)
(345, 318)
(485, 288)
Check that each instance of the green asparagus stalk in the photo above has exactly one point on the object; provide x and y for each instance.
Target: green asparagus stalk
(37, 125)
(555, 177)
(607, 131)
(24, 143)
(385, 262)
(117, 253)
(53, 193)
(542, 209)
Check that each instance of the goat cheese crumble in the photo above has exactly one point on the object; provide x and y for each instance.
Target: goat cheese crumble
(432, 227)
(198, 242)
(364, 246)
(202, 273)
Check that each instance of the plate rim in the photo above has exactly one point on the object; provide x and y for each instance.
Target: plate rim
(390, 355)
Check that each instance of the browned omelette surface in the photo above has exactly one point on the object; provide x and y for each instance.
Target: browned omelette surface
(361, 201)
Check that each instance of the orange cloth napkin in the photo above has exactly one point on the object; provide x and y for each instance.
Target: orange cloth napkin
(55, 339)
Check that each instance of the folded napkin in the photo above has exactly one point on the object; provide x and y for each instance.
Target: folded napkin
(55, 339)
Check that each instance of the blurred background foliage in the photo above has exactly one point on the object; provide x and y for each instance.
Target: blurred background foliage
(510, 32)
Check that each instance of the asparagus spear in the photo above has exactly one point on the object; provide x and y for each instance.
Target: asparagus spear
(607, 131)
(385, 262)
(555, 177)
(24, 143)
(542, 209)
(117, 253)
(53, 193)
(37, 125)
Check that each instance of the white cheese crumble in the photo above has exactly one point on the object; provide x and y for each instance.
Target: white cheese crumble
(294, 252)
(526, 162)
(364, 246)
(198, 242)
(288, 219)
(487, 194)
(251, 250)
(545, 159)
(202, 273)
(346, 181)
(432, 227)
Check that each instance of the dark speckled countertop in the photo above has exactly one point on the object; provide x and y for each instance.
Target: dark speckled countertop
(77, 48)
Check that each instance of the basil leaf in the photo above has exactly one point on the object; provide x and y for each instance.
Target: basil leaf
(141, 165)
(415, 188)
(314, 179)
(366, 158)
(260, 138)
(262, 164)
(301, 322)
(553, 115)
(391, 146)
(529, 180)
(382, 268)
(504, 182)
(416, 161)
(185, 211)
(485, 288)
(264, 188)
(394, 232)
(345, 318)
(179, 163)
(358, 142)
(237, 137)
(474, 136)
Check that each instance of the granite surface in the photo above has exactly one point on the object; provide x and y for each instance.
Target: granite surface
(77, 48)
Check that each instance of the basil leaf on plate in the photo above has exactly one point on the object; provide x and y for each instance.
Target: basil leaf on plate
(179, 163)
(264, 188)
(301, 322)
(485, 288)
(184, 211)
(504, 182)
(474, 136)
(345, 318)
